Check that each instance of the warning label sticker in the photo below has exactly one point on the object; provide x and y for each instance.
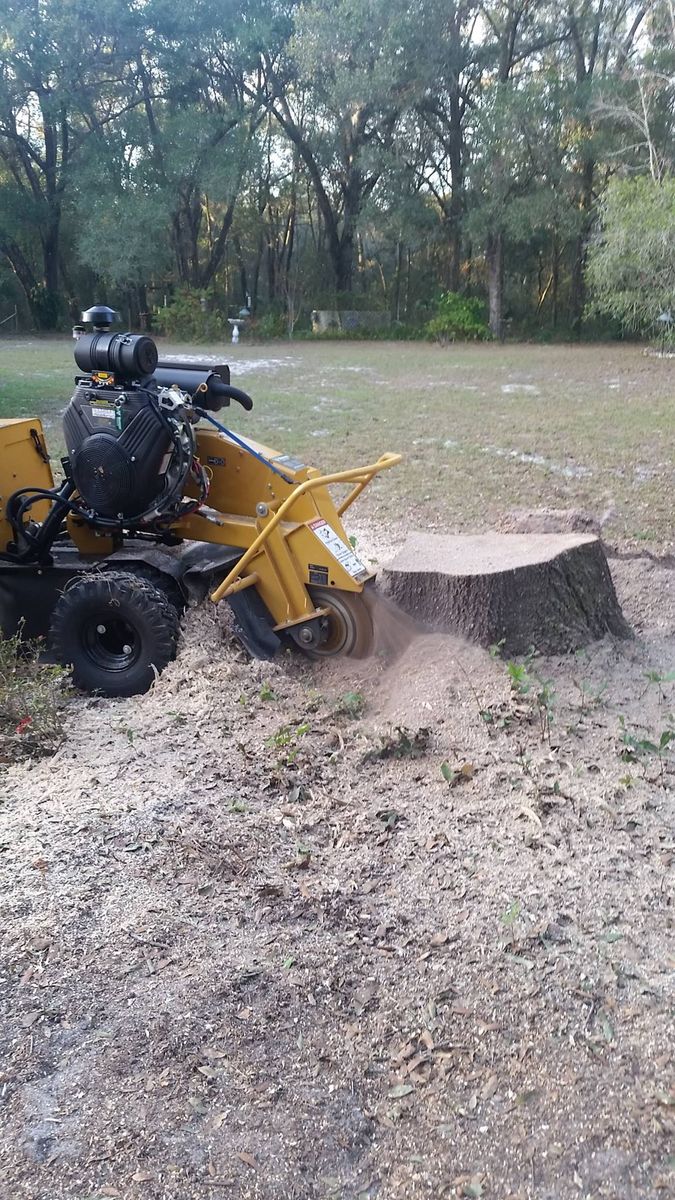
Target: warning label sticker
(339, 549)
(101, 412)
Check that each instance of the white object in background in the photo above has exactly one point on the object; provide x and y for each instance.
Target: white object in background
(235, 334)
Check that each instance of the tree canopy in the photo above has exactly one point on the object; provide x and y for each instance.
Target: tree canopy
(339, 153)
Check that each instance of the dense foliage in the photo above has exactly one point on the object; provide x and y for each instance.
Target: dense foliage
(458, 317)
(179, 159)
(632, 262)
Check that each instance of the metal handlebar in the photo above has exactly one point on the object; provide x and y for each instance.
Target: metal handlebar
(361, 476)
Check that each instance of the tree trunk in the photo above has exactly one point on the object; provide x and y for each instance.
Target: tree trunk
(456, 207)
(180, 250)
(555, 284)
(243, 275)
(289, 241)
(578, 289)
(21, 268)
(51, 260)
(455, 273)
(137, 300)
(407, 283)
(43, 295)
(343, 261)
(397, 281)
(209, 269)
(255, 273)
(271, 272)
(495, 266)
(550, 591)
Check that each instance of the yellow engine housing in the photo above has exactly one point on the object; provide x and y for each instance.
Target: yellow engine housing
(23, 463)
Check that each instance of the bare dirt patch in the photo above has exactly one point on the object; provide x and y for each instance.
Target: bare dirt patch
(348, 930)
(389, 929)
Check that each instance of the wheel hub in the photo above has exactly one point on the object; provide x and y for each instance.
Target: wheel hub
(308, 635)
(111, 644)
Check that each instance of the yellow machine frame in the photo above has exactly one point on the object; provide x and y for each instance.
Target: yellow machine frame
(24, 462)
(277, 511)
(280, 513)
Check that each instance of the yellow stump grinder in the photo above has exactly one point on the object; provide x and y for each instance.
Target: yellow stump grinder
(161, 505)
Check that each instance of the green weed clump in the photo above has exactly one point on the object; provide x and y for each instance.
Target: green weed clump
(657, 747)
(528, 688)
(351, 705)
(458, 318)
(185, 320)
(31, 701)
(269, 327)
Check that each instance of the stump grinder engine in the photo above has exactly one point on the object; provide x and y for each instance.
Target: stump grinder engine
(161, 505)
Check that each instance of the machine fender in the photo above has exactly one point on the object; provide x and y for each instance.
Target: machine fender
(27, 598)
(29, 593)
(254, 624)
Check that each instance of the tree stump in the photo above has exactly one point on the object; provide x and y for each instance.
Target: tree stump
(553, 592)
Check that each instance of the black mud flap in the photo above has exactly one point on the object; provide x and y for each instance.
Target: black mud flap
(254, 624)
(27, 598)
(203, 567)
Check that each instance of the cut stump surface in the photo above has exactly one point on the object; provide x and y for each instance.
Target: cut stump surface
(553, 592)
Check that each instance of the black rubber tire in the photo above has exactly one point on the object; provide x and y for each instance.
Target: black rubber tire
(115, 630)
(159, 579)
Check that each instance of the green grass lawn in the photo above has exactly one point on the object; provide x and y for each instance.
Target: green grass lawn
(484, 428)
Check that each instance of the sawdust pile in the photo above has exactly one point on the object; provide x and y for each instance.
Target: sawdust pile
(376, 930)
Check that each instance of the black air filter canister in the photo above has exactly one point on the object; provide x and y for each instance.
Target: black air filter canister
(124, 355)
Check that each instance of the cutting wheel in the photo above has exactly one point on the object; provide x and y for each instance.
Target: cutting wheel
(350, 627)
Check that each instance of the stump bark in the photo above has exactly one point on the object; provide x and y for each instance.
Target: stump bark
(553, 592)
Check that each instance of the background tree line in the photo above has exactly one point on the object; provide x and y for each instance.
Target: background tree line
(350, 153)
